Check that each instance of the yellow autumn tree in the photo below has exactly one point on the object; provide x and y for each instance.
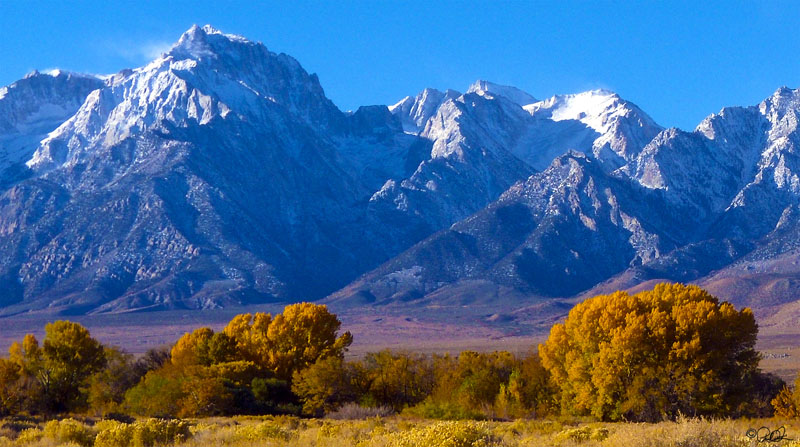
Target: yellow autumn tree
(187, 351)
(649, 356)
(787, 402)
(290, 341)
(9, 389)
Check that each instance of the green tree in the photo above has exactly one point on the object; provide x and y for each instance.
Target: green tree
(158, 394)
(70, 356)
(54, 377)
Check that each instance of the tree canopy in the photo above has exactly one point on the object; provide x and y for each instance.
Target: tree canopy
(674, 349)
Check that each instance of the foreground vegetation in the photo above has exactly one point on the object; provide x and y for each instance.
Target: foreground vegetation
(658, 356)
(387, 432)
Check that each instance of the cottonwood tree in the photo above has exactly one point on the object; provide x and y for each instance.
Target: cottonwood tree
(58, 371)
(290, 341)
(674, 349)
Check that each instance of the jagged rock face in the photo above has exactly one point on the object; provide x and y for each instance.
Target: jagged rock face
(33, 107)
(701, 206)
(190, 182)
(597, 122)
(493, 136)
(221, 174)
(557, 233)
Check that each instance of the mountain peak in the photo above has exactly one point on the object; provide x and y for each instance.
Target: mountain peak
(198, 42)
(785, 102)
(590, 107)
(513, 94)
(414, 112)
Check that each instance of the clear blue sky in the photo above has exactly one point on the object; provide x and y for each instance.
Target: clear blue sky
(679, 61)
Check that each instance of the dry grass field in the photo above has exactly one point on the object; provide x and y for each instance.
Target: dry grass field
(394, 431)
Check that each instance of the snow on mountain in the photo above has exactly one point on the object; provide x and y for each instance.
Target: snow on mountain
(33, 107)
(467, 165)
(515, 95)
(205, 75)
(484, 141)
(207, 177)
(415, 112)
(220, 174)
(615, 130)
(710, 206)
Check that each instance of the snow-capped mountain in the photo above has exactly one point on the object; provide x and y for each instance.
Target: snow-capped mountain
(490, 89)
(713, 206)
(33, 107)
(220, 173)
(208, 176)
(493, 136)
(414, 113)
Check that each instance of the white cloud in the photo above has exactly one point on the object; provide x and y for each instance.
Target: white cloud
(139, 52)
(152, 50)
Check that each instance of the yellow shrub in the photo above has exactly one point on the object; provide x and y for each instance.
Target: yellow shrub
(147, 433)
(29, 436)
(578, 435)
(446, 434)
(263, 430)
(328, 430)
(69, 430)
(289, 422)
(113, 434)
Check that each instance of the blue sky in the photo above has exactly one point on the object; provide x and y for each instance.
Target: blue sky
(679, 61)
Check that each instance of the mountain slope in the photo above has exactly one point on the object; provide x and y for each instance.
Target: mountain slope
(713, 206)
(33, 107)
(220, 174)
(142, 199)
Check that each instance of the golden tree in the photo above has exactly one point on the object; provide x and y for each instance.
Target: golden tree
(674, 349)
(9, 388)
(325, 385)
(290, 341)
(69, 357)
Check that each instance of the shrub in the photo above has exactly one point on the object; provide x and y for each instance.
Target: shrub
(29, 436)
(446, 434)
(264, 430)
(13, 427)
(785, 404)
(69, 430)
(685, 432)
(578, 435)
(146, 433)
(430, 409)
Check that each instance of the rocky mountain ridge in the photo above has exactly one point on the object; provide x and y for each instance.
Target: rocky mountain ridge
(220, 174)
